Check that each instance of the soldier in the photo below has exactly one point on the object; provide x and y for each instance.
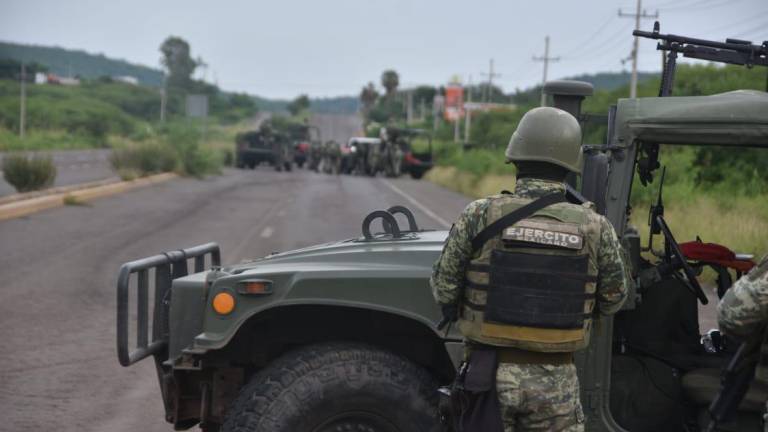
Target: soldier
(523, 271)
(743, 313)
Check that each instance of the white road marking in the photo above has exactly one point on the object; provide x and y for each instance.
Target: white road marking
(417, 204)
(267, 232)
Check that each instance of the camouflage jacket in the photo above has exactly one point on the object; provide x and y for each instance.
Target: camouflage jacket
(449, 271)
(743, 311)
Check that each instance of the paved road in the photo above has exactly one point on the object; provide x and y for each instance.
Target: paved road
(74, 166)
(58, 367)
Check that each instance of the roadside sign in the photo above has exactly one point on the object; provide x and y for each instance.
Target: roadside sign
(197, 105)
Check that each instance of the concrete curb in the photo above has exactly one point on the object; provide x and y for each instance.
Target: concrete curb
(23, 207)
(23, 196)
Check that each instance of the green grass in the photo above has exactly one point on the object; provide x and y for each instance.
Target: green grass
(44, 140)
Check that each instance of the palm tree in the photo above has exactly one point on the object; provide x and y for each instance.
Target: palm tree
(390, 80)
(368, 96)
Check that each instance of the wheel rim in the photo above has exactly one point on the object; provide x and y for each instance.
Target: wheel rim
(356, 421)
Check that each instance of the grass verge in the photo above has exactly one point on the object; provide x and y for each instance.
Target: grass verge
(739, 222)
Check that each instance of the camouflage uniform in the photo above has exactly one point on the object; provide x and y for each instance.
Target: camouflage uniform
(533, 396)
(743, 312)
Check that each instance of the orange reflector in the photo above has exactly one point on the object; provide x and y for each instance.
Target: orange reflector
(254, 288)
(223, 303)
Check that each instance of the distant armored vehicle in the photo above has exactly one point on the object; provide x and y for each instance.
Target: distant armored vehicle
(341, 336)
(416, 163)
(263, 146)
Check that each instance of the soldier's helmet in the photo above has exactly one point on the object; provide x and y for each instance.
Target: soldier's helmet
(549, 135)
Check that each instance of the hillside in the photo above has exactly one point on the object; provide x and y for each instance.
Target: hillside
(66, 62)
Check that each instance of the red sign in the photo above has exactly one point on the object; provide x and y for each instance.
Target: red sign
(454, 102)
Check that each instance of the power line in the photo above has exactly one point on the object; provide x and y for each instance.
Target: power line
(695, 7)
(675, 4)
(577, 49)
(545, 59)
(491, 75)
(637, 16)
(752, 30)
(740, 22)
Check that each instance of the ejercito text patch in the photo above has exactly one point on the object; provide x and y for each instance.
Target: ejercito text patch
(559, 235)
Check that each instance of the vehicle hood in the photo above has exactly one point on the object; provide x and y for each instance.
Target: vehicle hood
(414, 250)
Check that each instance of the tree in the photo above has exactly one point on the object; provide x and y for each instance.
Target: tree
(390, 80)
(368, 96)
(178, 60)
(298, 105)
(11, 69)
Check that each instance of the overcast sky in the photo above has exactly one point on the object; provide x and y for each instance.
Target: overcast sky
(333, 47)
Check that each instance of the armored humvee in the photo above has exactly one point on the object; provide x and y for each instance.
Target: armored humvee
(263, 146)
(341, 336)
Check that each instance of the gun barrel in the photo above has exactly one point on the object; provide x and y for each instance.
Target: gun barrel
(734, 45)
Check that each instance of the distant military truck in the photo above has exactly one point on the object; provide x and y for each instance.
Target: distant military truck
(416, 163)
(263, 146)
(251, 149)
(341, 336)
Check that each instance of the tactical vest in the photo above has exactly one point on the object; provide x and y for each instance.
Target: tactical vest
(532, 286)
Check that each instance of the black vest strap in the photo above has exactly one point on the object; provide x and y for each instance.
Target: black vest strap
(516, 216)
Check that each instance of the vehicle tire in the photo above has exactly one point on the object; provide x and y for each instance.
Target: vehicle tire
(334, 387)
(417, 174)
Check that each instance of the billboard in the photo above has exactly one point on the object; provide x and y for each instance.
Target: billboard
(454, 102)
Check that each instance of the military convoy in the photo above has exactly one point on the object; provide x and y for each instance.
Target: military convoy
(341, 336)
(391, 155)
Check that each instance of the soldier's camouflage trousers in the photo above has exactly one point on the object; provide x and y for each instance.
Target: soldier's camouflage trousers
(536, 397)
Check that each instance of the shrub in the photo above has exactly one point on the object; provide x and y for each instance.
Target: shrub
(195, 160)
(28, 173)
(144, 159)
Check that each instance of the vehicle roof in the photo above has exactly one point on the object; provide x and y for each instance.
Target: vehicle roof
(737, 118)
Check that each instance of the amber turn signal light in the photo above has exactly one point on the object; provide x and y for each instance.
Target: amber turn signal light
(254, 287)
(223, 303)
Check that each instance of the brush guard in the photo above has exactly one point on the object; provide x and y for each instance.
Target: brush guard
(165, 268)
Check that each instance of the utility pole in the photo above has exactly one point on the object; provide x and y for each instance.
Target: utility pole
(409, 107)
(637, 15)
(467, 116)
(163, 100)
(545, 59)
(491, 75)
(23, 108)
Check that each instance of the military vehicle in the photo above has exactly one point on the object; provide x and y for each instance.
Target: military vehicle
(360, 148)
(341, 336)
(387, 156)
(263, 146)
(414, 162)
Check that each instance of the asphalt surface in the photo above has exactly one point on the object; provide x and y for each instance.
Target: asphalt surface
(58, 366)
(73, 167)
